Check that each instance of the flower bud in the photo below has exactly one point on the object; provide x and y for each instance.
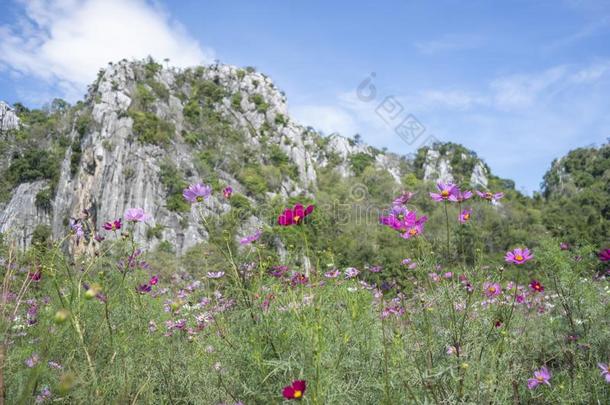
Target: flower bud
(61, 316)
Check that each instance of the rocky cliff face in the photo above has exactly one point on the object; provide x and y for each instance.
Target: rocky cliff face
(143, 132)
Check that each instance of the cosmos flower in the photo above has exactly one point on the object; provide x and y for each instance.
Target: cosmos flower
(518, 256)
(404, 198)
(251, 238)
(447, 192)
(35, 276)
(464, 195)
(114, 225)
(489, 196)
(196, 193)
(541, 376)
(535, 286)
(298, 278)
(605, 368)
(492, 289)
(153, 280)
(143, 288)
(136, 215)
(215, 274)
(278, 271)
(296, 390)
(564, 246)
(465, 215)
(227, 192)
(332, 273)
(604, 255)
(351, 272)
(32, 361)
(375, 269)
(294, 216)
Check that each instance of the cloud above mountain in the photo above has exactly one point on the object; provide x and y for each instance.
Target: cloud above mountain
(65, 42)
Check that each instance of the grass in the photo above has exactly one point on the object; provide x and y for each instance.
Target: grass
(91, 334)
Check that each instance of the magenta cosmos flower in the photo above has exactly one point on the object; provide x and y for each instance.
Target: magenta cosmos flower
(251, 238)
(296, 390)
(447, 192)
(489, 196)
(136, 215)
(518, 256)
(604, 255)
(196, 193)
(465, 215)
(404, 198)
(492, 289)
(294, 216)
(541, 376)
(114, 225)
(227, 192)
(605, 368)
(404, 221)
(535, 286)
(464, 195)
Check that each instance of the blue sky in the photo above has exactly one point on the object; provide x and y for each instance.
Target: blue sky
(519, 82)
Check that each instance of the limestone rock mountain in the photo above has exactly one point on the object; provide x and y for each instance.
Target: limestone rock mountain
(144, 132)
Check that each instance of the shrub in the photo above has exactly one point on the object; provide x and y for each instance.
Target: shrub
(236, 101)
(151, 129)
(259, 103)
(44, 199)
(360, 161)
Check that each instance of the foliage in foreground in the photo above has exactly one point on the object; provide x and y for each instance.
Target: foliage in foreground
(114, 325)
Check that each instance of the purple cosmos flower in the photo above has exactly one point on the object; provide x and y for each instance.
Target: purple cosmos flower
(143, 288)
(43, 396)
(464, 195)
(492, 289)
(278, 271)
(196, 193)
(605, 368)
(564, 246)
(77, 228)
(518, 256)
(136, 215)
(227, 192)
(465, 216)
(413, 231)
(215, 274)
(153, 280)
(113, 225)
(35, 276)
(489, 196)
(447, 192)
(251, 238)
(375, 269)
(604, 255)
(404, 198)
(32, 361)
(332, 274)
(298, 278)
(351, 272)
(541, 376)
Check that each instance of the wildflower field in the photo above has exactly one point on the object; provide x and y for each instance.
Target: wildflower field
(434, 319)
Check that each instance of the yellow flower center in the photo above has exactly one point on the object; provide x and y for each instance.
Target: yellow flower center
(413, 231)
(297, 218)
(445, 193)
(298, 394)
(540, 378)
(492, 289)
(199, 199)
(519, 258)
(488, 195)
(466, 217)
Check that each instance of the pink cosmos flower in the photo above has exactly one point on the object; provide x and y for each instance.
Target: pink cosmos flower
(404, 198)
(113, 225)
(215, 274)
(535, 286)
(541, 376)
(294, 216)
(296, 390)
(227, 192)
(153, 280)
(604, 255)
(464, 195)
(332, 273)
(375, 269)
(465, 215)
(447, 192)
(136, 215)
(564, 246)
(489, 196)
(196, 193)
(492, 289)
(298, 278)
(351, 272)
(518, 256)
(251, 238)
(605, 368)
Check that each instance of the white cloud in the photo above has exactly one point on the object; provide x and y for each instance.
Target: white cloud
(448, 43)
(65, 42)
